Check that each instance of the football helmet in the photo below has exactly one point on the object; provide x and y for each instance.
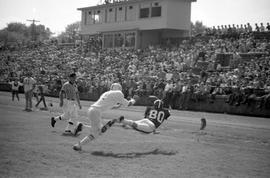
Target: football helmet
(116, 86)
(158, 104)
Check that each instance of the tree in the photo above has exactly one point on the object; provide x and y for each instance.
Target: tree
(42, 32)
(17, 27)
(18, 32)
(71, 33)
(197, 28)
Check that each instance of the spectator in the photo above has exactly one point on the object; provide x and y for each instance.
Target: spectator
(15, 88)
(262, 29)
(29, 85)
(41, 91)
(268, 26)
(168, 94)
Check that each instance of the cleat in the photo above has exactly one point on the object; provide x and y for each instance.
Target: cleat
(77, 147)
(120, 119)
(156, 132)
(44, 109)
(78, 128)
(126, 126)
(67, 133)
(53, 121)
(203, 123)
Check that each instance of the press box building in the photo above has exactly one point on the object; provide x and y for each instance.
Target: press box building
(136, 23)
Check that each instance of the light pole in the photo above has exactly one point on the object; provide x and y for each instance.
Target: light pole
(33, 30)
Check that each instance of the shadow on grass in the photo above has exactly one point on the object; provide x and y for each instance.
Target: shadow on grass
(134, 154)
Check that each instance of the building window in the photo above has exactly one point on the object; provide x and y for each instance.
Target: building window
(130, 39)
(85, 18)
(108, 41)
(89, 12)
(156, 12)
(110, 10)
(120, 8)
(97, 17)
(144, 12)
(118, 40)
(130, 7)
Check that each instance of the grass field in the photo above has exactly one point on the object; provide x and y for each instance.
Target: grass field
(230, 146)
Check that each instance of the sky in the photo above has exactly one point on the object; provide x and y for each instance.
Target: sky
(57, 14)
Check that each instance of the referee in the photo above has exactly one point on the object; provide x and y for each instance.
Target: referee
(70, 102)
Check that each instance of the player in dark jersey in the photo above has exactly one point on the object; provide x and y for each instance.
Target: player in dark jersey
(153, 118)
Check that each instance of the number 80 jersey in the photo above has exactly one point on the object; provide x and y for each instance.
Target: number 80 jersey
(157, 116)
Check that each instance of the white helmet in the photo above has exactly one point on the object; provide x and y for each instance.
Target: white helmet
(116, 86)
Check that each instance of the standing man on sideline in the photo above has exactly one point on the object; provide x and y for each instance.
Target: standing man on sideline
(29, 85)
(109, 100)
(41, 90)
(35, 93)
(70, 93)
(15, 88)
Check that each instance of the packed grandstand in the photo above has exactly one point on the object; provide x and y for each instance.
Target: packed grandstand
(228, 60)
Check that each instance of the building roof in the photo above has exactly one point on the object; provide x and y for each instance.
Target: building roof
(122, 2)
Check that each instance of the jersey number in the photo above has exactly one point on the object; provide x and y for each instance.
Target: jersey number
(158, 115)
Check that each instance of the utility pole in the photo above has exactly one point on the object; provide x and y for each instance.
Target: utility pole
(33, 30)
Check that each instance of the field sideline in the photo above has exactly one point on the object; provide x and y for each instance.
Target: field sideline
(230, 146)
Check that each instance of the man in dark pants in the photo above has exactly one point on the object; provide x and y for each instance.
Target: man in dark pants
(42, 98)
(29, 85)
(185, 95)
(15, 88)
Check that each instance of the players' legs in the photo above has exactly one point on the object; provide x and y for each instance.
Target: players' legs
(69, 123)
(143, 125)
(17, 95)
(30, 95)
(63, 117)
(27, 100)
(44, 102)
(26, 103)
(73, 115)
(70, 109)
(13, 93)
(38, 102)
(95, 118)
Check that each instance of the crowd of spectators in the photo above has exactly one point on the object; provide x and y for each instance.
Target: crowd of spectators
(182, 73)
(236, 31)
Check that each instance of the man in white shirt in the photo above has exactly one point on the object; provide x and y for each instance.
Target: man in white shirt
(15, 88)
(29, 85)
(109, 100)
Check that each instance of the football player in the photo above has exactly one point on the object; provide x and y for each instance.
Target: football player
(153, 117)
(112, 99)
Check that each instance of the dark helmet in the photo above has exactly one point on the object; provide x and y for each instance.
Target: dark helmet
(158, 104)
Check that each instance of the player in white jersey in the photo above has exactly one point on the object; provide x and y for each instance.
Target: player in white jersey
(109, 100)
